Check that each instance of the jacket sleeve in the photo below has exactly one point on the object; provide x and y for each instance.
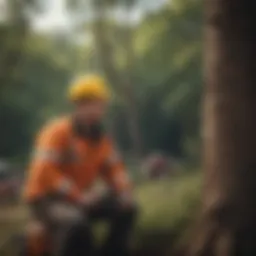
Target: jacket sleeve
(45, 174)
(113, 170)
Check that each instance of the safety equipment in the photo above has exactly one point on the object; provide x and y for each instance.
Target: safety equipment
(56, 140)
(89, 87)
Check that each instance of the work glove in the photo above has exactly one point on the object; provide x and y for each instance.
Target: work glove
(62, 212)
(90, 199)
(126, 199)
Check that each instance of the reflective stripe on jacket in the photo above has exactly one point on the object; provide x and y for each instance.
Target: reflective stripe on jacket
(68, 164)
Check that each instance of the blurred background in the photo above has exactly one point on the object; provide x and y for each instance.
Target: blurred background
(150, 53)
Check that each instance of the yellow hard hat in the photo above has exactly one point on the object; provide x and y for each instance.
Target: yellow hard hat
(89, 87)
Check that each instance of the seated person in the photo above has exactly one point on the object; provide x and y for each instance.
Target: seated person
(71, 153)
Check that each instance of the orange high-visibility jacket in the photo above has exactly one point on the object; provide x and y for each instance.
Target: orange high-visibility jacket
(68, 164)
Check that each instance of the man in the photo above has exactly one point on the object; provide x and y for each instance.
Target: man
(70, 155)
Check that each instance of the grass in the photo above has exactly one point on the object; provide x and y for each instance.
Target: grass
(12, 221)
(166, 208)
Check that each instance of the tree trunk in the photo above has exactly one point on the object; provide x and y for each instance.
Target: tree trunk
(123, 83)
(129, 85)
(228, 222)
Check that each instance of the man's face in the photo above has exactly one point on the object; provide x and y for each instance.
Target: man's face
(90, 112)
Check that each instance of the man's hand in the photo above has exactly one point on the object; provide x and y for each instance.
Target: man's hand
(126, 199)
(90, 199)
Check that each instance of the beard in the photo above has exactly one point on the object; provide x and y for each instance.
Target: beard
(93, 132)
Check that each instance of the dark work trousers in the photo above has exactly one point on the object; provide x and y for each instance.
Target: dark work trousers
(70, 228)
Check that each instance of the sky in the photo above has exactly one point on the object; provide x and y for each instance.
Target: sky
(3, 10)
(56, 18)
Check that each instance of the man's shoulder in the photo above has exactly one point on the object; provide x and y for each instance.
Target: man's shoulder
(56, 126)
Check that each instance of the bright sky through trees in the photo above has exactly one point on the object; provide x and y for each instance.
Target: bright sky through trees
(55, 16)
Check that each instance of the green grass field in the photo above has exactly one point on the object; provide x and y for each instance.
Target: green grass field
(166, 208)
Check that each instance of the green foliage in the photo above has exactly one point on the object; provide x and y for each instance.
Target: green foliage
(166, 210)
(169, 49)
(37, 95)
(165, 70)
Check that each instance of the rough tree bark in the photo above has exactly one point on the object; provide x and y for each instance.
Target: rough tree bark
(228, 222)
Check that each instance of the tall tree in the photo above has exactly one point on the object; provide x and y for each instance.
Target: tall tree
(228, 224)
(120, 78)
(123, 81)
(12, 34)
